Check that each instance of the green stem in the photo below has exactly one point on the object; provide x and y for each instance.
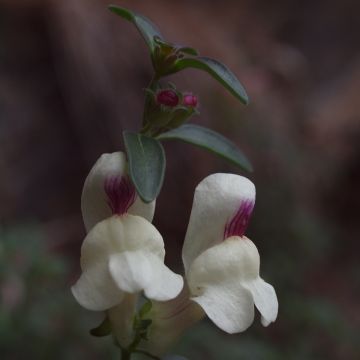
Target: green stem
(151, 86)
(146, 129)
(153, 82)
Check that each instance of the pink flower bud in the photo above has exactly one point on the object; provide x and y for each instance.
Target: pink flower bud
(167, 97)
(190, 100)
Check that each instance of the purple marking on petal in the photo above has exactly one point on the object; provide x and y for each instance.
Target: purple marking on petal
(120, 192)
(238, 224)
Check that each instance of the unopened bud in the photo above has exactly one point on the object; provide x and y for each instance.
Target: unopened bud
(190, 100)
(167, 97)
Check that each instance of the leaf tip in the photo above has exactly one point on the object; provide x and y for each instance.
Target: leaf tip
(124, 13)
(245, 99)
(145, 199)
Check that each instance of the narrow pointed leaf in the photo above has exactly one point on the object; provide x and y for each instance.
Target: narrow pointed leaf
(103, 329)
(188, 50)
(146, 28)
(147, 163)
(209, 140)
(218, 71)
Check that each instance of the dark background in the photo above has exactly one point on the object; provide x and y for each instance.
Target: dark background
(71, 79)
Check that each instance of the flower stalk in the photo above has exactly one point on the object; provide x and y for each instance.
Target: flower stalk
(122, 256)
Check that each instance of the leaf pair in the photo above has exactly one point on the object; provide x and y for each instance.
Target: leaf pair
(146, 155)
(147, 160)
(216, 69)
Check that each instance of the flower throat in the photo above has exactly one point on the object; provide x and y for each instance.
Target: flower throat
(120, 192)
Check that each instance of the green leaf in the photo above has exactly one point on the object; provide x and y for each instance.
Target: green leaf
(188, 50)
(147, 163)
(103, 329)
(209, 140)
(218, 71)
(146, 28)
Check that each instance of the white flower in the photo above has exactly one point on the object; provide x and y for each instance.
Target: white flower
(107, 189)
(123, 253)
(221, 264)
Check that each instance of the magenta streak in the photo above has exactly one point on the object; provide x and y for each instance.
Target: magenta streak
(238, 224)
(121, 193)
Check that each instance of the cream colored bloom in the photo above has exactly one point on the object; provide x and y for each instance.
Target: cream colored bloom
(123, 253)
(221, 264)
(107, 189)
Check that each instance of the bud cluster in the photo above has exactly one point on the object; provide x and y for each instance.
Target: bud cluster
(171, 98)
(167, 108)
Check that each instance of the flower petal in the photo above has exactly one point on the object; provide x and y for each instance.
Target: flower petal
(134, 271)
(216, 280)
(94, 200)
(230, 307)
(217, 200)
(95, 290)
(265, 299)
(117, 234)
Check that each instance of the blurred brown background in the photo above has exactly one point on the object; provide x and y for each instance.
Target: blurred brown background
(71, 79)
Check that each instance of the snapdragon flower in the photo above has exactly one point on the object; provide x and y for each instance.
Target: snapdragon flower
(221, 266)
(123, 253)
(107, 188)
